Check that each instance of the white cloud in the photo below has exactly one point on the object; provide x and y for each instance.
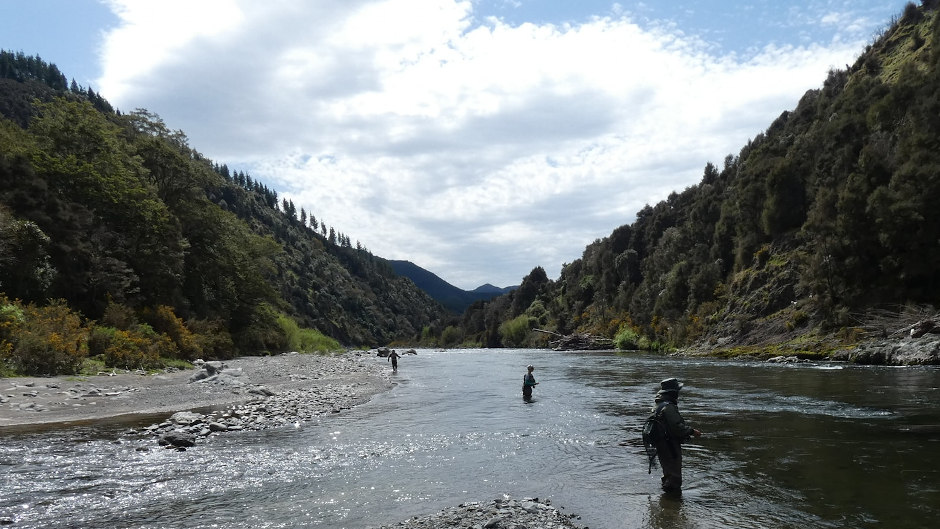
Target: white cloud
(476, 149)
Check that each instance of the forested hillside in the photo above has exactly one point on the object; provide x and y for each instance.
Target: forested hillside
(819, 226)
(113, 225)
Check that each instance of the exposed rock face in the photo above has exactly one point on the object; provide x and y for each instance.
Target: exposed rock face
(905, 350)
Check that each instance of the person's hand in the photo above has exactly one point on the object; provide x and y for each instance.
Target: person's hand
(696, 433)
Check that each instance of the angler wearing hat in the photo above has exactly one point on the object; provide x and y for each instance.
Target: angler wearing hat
(528, 382)
(669, 448)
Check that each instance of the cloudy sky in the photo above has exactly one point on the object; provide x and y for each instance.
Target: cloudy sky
(477, 138)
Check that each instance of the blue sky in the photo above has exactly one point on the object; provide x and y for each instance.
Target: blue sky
(478, 139)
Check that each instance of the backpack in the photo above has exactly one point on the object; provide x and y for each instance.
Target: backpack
(654, 431)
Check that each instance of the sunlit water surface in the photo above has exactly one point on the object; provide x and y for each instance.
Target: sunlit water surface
(786, 446)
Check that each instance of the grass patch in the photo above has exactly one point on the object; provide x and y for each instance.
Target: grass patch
(93, 365)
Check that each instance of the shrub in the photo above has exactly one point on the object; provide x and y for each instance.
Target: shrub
(305, 340)
(164, 321)
(626, 339)
(133, 350)
(290, 330)
(11, 319)
(99, 339)
(49, 341)
(451, 336)
(118, 316)
(314, 341)
(213, 338)
(262, 334)
(514, 332)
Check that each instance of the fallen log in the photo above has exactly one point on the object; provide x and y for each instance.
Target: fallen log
(581, 342)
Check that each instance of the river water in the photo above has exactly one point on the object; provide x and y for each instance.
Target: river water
(785, 446)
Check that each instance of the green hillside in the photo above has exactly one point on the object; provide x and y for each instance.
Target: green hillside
(805, 241)
(113, 226)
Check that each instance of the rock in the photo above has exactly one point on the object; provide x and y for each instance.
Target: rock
(261, 390)
(213, 368)
(924, 327)
(924, 350)
(177, 438)
(185, 418)
(792, 359)
(493, 523)
(499, 514)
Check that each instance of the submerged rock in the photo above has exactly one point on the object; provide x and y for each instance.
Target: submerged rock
(177, 439)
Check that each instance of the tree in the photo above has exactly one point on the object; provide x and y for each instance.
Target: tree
(26, 270)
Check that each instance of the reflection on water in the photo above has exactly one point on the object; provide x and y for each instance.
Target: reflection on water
(785, 446)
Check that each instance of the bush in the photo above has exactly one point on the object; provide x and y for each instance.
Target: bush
(451, 336)
(305, 340)
(213, 338)
(164, 321)
(626, 339)
(11, 319)
(314, 341)
(134, 350)
(515, 331)
(118, 316)
(291, 332)
(99, 339)
(48, 341)
(262, 334)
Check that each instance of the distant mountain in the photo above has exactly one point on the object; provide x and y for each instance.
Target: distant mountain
(451, 297)
(490, 289)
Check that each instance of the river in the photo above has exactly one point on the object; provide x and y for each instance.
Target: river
(785, 446)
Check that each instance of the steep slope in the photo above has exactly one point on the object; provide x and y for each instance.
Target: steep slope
(100, 208)
(827, 216)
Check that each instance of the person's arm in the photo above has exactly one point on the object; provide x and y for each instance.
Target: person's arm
(678, 428)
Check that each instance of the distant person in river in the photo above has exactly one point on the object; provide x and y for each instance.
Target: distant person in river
(393, 356)
(669, 446)
(528, 382)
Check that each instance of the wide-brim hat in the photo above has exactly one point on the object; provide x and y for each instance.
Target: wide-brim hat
(669, 385)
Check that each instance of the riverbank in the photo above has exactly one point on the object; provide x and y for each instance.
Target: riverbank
(281, 388)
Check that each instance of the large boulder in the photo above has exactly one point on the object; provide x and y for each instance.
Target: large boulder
(177, 439)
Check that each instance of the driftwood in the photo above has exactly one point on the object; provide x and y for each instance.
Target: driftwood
(578, 342)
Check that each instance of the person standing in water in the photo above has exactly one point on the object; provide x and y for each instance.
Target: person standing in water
(393, 356)
(528, 382)
(669, 447)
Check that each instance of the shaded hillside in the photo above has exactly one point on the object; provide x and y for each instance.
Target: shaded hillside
(453, 298)
(820, 220)
(105, 209)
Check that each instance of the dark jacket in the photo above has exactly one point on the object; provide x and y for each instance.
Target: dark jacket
(679, 431)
